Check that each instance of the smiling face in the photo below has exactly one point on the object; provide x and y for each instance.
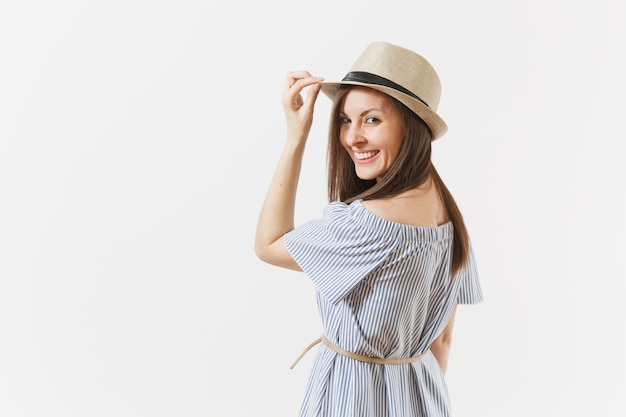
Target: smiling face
(371, 131)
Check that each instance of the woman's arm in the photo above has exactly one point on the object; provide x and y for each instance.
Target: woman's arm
(441, 346)
(277, 212)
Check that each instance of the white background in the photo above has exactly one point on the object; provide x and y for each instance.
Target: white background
(137, 139)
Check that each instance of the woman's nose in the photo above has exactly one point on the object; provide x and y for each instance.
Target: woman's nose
(354, 136)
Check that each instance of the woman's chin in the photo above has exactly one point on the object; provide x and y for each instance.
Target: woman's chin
(366, 176)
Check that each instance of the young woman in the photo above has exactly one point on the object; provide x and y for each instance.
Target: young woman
(390, 257)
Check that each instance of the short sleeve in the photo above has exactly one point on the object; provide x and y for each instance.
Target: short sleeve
(338, 250)
(470, 291)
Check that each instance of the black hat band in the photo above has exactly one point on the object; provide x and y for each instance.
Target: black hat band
(369, 78)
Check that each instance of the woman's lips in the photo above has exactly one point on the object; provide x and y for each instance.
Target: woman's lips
(364, 157)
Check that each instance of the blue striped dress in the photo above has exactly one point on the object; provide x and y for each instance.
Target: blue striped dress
(383, 290)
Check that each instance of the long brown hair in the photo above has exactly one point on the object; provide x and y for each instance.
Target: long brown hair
(412, 168)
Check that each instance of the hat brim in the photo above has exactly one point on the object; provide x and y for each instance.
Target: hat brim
(435, 123)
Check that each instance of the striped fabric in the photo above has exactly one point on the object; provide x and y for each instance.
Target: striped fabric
(383, 290)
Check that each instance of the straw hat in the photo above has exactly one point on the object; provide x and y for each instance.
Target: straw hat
(400, 73)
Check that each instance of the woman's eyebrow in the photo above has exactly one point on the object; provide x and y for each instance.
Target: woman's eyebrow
(363, 113)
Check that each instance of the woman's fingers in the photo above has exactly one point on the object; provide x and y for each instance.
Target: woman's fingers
(295, 82)
(299, 112)
(311, 95)
(303, 78)
(293, 76)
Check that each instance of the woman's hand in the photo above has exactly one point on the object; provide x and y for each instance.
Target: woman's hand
(299, 112)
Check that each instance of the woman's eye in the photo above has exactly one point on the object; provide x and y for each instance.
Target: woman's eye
(371, 120)
(343, 120)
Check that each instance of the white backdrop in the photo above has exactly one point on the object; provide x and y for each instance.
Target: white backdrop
(137, 139)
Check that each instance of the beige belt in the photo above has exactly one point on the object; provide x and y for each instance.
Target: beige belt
(368, 359)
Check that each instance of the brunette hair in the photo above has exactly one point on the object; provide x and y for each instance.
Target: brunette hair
(412, 168)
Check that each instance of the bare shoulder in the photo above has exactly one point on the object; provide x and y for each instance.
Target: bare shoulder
(417, 207)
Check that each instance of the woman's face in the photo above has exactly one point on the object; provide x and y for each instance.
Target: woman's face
(370, 130)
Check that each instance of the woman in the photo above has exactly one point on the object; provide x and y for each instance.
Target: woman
(391, 257)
